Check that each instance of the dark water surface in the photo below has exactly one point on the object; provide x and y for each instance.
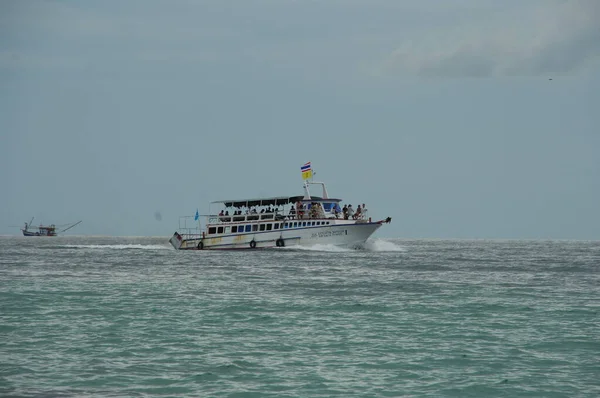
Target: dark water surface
(96, 316)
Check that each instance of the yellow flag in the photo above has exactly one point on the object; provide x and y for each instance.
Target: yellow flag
(306, 171)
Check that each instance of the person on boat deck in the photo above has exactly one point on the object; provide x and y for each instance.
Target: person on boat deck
(292, 213)
(350, 212)
(364, 211)
(334, 210)
(358, 213)
(300, 209)
(317, 210)
(222, 213)
(337, 209)
(313, 210)
(345, 211)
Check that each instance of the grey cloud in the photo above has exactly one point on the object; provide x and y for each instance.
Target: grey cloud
(548, 37)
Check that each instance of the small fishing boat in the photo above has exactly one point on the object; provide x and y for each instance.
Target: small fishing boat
(280, 221)
(45, 230)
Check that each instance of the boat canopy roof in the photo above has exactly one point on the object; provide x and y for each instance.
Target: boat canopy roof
(274, 201)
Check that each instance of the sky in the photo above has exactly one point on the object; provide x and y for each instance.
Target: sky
(458, 118)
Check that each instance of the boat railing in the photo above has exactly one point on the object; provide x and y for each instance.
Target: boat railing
(189, 228)
(309, 214)
(214, 219)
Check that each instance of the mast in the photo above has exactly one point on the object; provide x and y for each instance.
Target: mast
(306, 191)
(325, 195)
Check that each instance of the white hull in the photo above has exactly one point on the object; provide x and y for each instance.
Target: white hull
(345, 234)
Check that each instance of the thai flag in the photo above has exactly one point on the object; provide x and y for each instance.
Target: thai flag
(306, 171)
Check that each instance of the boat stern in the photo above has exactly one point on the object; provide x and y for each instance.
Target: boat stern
(176, 240)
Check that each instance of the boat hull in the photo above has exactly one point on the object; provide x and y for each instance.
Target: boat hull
(347, 235)
(29, 233)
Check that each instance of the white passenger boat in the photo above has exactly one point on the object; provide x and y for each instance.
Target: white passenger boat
(277, 222)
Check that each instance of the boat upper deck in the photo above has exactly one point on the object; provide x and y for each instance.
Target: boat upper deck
(273, 201)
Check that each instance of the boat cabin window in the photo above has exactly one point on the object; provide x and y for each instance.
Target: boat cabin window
(276, 226)
(295, 224)
(304, 223)
(220, 230)
(313, 223)
(285, 225)
(234, 229)
(248, 228)
(269, 227)
(226, 230)
(262, 227)
(212, 230)
(254, 227)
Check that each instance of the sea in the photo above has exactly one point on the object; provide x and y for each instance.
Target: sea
(131, 317)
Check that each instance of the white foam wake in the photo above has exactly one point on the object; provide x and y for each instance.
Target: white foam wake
(382, 245)
(319, 248)
(372, 245)
(120, 247)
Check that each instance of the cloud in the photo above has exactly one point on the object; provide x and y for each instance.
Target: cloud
(340, 39)
(539, 38)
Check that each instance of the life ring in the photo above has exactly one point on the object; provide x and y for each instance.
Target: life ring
(280, 243)
(200, 245)
(252, 244)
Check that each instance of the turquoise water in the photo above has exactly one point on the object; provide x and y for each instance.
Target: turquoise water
(85, 316)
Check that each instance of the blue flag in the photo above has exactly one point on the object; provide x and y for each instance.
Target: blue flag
(196, 216)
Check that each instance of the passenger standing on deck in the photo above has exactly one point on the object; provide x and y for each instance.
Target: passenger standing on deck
(364, 211)
(350, 211)
(337, 209)
(300, 209)
(358, 213)
(345, 211)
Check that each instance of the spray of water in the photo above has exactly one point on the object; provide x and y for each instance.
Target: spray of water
(319, 248)
(372, 245)
(382, 245)
(120, 247)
